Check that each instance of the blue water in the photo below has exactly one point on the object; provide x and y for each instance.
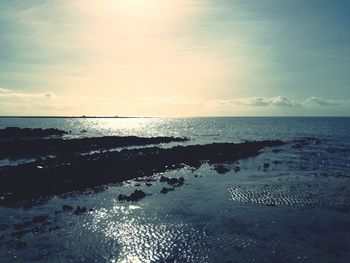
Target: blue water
(201, 130)
(296, 210)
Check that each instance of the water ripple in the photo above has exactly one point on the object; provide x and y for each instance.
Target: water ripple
(299, 195)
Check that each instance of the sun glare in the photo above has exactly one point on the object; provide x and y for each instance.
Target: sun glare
(134, 3)
(139, 6)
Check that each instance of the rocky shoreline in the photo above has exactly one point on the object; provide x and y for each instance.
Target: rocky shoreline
(16, 142)
(11, 133)
(70, 171)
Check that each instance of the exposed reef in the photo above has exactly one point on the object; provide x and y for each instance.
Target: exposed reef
(166, 190)
(17, 133)
(135, 196)
(24, 147)
(75, 172)
(172, 181)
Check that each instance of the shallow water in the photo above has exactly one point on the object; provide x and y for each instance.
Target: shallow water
(295, 209)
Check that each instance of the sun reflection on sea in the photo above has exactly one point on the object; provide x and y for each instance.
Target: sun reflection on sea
(146, 127)
(128, 259)
(141, 238)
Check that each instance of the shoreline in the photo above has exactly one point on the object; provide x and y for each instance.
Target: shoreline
(70, 171)
(294, 192)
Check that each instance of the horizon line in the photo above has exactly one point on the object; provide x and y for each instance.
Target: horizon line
(135, 117)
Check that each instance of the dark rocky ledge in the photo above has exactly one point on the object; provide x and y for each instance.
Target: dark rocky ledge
(17, 133)
(39, 147)
(74, 172)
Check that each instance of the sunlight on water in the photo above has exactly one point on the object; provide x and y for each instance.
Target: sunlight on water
(296, 208)
(145, 239)
(125, 126)
(128, 259)
(199, 130)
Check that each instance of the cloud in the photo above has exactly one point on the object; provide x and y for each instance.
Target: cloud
(282, 101)
(2, 90)
(265, 101)
(7, 93)
(323, 102)
(48, 103)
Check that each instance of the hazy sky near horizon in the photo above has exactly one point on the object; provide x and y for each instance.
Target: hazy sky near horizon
(174, 58)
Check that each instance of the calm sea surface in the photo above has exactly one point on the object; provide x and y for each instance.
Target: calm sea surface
(296, 209)
(201, 130)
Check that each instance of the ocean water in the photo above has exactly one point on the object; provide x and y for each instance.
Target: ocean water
(295, 209)
(200, 130)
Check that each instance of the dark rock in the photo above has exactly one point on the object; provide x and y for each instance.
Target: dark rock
(137, 185)
(39, 219)
(16, 133)
(80, 210)
(237, 169)
(38, 146)
(221, 169)
(148, 180)
(180, 181)
(20, 244)
(135, 196)
(67, 208)
(163, 179)
(166, 190)
(148, 184)
(172, 181)
(96, 170)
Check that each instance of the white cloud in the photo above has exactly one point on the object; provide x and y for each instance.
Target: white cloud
(48, 103)
(282, 101)
(265, 101)
(323, 102)
(2, 90)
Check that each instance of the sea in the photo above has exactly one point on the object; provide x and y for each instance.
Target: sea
(287, 204)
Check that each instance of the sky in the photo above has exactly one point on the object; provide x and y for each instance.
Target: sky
(175, 58)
